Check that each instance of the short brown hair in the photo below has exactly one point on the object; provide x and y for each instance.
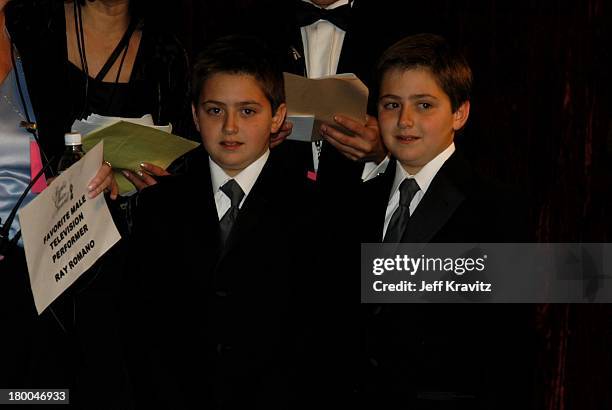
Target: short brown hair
(449, 67)
(239, 54)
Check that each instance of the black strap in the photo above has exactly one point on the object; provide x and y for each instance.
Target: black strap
(123, 43)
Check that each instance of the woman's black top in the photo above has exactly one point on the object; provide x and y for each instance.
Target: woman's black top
(159, 82)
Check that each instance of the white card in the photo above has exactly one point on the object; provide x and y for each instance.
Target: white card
(64, 231)
(302, 127)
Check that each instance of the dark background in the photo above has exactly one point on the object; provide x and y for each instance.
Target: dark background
(541, 121)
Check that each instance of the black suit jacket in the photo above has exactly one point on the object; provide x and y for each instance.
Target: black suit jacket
(447, 356)
(212, 325)
(459, 206)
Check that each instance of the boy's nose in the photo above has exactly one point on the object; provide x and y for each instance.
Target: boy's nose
(230, 126)
(405, 119)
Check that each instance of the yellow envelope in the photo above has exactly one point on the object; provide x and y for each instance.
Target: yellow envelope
(127, 145)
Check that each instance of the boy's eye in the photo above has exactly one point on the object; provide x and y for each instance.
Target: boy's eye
(425, 106)
(213, 110)
(248, 111)
(390, 105)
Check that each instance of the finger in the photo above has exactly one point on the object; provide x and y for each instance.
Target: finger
(349, 123)
(345, 150)
(101, 175)
(114, 189)
(276, 138)
(287, 127)
(285, 130)
(146, 178)
(134, 179)
(276, 141)
(282, 134)
(368, 131)
(106, 183)
(346, 140)
(154, 169)
(371, 122)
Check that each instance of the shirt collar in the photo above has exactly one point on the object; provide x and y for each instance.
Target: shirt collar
(331, 6)
(426, 174)
(246, 178)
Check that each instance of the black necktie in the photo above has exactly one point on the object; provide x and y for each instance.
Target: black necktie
(307, 13)
(399, 219)
(235, 194)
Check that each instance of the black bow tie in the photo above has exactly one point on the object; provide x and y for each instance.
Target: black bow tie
(308, 13)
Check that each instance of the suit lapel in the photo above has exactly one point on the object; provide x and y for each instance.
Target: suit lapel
(347, 55)
(437, 206)
(295, 52)
(201, 225)
(376, 197)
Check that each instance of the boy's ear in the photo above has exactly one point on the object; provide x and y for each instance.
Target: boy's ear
(195, 117)
(461, 115)
(278, 118)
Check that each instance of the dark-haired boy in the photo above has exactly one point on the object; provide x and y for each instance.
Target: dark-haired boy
(437, 356)
(424, 100)
(221, 265)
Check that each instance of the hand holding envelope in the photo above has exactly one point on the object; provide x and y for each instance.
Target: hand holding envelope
(334, 108)
(363, 144)
(313, 102)
(128, 145)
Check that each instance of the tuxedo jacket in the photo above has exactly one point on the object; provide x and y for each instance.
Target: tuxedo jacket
(459, 206)
(373, 26)
(467, 355)
(216, 325)
(359, 53)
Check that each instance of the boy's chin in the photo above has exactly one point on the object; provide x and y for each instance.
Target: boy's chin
(410, 168)
(235, 162)
(233, 168)
(411, 165)
(231, 171)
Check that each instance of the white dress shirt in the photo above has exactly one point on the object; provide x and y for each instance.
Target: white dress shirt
(423, 178)
(245, 179)
(322, 42)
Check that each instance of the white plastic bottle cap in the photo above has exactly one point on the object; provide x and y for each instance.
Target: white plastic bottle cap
(72, 138)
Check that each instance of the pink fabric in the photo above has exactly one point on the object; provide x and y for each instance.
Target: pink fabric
(35, 167)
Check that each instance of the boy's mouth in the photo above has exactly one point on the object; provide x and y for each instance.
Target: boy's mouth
(407, 139)
(231, 145)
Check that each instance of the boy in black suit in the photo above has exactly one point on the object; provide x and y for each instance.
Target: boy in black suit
(216, 320)
(424, 100)
(437, 356)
